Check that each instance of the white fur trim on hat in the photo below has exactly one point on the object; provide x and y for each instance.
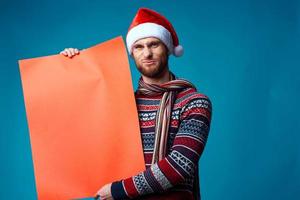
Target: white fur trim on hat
(149, 30)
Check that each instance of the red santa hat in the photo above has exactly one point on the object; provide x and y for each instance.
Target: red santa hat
(148, 23)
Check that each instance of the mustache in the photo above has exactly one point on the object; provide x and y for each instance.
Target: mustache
(148, 60)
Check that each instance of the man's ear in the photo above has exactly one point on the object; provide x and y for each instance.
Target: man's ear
(168, 52)
(131, 55)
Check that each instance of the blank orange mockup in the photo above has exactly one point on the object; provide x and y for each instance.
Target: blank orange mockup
(82, 119)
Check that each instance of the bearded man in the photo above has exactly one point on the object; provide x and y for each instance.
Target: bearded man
(174, 118)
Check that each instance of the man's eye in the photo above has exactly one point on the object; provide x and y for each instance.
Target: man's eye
(138, 46)
(154, 45)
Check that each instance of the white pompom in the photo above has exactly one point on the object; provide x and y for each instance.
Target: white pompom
(178, 51)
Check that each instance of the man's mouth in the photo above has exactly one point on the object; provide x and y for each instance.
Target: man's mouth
(148, 62)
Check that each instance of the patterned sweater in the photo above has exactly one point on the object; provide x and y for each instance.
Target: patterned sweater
(175, 176)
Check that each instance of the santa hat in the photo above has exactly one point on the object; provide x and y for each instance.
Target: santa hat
(148, 23)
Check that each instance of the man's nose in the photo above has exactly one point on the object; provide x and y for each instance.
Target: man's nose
(147, 52)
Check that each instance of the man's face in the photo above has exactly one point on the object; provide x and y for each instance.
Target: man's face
(150, 56)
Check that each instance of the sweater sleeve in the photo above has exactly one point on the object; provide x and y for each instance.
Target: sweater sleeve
(182, 160)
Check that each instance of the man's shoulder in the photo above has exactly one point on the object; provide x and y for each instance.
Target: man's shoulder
(190, 95)
(193, 103)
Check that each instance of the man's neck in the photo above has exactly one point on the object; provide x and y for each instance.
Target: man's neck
(163, 78)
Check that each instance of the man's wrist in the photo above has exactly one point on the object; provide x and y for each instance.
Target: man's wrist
(118, 191)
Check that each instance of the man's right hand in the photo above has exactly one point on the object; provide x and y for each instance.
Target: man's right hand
(69, 52)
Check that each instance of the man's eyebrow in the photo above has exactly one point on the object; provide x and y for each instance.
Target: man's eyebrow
(135, 45)
(152, 43)
(147, 43)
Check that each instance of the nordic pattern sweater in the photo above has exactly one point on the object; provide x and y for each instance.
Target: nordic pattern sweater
(176, 176)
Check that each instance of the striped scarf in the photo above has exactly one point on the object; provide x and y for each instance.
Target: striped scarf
(168, 91)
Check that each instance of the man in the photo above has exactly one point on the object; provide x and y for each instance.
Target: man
(174, 118)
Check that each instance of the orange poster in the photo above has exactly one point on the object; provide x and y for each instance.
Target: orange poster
(82, 120)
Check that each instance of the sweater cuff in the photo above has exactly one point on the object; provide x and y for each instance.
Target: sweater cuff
(118, 191)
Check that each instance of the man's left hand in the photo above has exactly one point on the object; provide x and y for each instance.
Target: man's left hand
(105, 192)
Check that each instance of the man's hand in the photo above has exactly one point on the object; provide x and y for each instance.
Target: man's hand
(70, 52)
(105, 192)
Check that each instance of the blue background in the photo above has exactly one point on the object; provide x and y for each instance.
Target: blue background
(243, 54)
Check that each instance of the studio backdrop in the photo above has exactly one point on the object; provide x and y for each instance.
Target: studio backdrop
(244, 55)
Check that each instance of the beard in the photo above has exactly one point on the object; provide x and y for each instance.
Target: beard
(153, 71)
